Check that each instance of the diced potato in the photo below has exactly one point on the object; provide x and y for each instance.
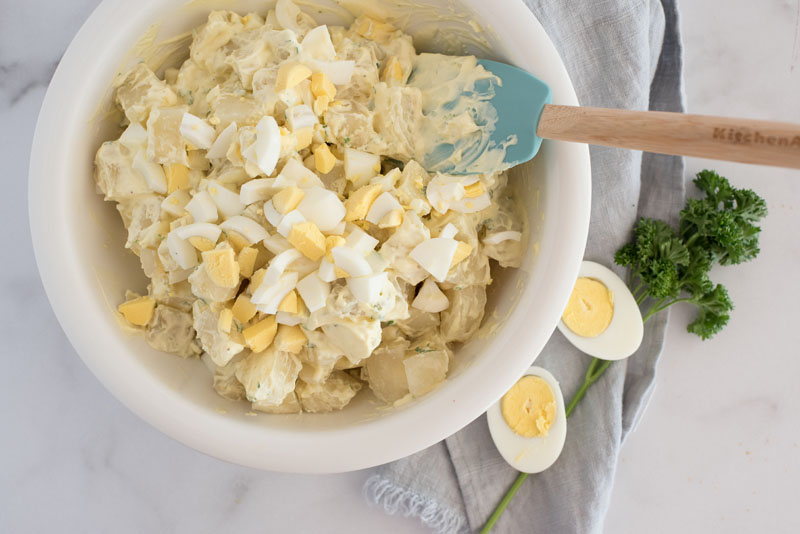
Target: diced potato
(268, 376)
(289, 405)
(290, 339)
(386, 373)
(425, 370)
(333, 394)
(140, 91)
(464, 316)
(171, 331)
(208, 323)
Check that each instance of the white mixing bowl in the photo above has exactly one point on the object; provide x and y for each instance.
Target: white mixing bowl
(78, 240)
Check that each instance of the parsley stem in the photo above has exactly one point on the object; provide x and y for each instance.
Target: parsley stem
(504, 503)
(595, 371)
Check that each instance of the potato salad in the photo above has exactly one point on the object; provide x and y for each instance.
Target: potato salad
(272, 190)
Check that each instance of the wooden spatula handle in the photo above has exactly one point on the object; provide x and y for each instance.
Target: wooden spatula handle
(741, 140)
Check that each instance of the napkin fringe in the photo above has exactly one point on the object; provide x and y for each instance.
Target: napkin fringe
(398, 499)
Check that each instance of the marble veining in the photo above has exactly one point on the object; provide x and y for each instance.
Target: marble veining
(719, 441)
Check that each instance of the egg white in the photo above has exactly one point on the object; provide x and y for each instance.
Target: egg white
(624, 335)
(530, 455)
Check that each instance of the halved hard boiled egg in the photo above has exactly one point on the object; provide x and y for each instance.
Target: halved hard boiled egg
(529, 423)
(602, 318)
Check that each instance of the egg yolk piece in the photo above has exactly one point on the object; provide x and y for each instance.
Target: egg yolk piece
(590, 308)
(529, 408)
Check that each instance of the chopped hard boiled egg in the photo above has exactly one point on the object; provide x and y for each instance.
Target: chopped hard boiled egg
(299, 117)
(202, 207)
(322, 207)
(267, 148)
(221, 267)
(499, 237)
(206, 230)
(260, 336)
(226, 201)
(360, 201)
(351, 261)
(463, 250)
(197, 131)
(243, 309)
(269, 295)
(287, 199)
(295, 173)
(175, 203)
(324, 160)
(360, 241)
(219, 149)
(247, 261)
(181, 251)
(153, 173)
(367, 289)
(382, 207)
(338, 72)
(177, 177)
(245, 227)
(313, 291)
(307, 238)
(138, 311)
(435, 256)
(257, 190)
(360, 166)
(288, 221)
(290, 75)
(317, 43)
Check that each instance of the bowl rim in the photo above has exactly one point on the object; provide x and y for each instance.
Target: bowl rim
(212, 433)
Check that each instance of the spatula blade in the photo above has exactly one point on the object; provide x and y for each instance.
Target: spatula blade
(519, 102)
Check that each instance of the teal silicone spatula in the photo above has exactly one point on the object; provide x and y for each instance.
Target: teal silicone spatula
(524, 110)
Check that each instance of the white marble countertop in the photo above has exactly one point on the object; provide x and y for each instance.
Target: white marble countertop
(718, 450)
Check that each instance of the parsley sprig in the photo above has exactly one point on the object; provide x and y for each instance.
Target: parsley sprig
(670, 266)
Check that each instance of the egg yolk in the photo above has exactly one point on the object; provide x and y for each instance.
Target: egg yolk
(529, 407)
(590, 308)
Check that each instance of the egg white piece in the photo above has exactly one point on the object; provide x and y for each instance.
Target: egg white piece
(202, 208)
(530, 455)
(624, 335)
(299, 117)
(317, 43)
(338, 72)
(246, 227)
(197, 131)
(219, 148)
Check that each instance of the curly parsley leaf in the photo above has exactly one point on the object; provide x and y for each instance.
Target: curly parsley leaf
(671, 266)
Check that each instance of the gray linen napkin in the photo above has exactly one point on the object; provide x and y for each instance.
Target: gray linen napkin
(622, 54)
